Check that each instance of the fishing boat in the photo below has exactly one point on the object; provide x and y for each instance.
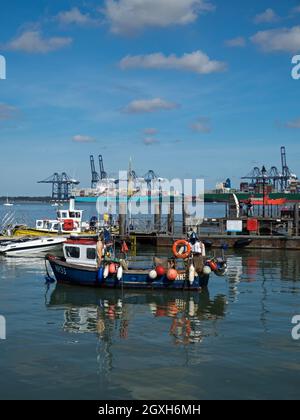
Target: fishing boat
(79, 266)
(28, 246)
(67, 221)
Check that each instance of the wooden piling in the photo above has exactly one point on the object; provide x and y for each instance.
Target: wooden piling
(171, 216)
(157, 218)
(296, 219)
(123, 219)
(184, 216)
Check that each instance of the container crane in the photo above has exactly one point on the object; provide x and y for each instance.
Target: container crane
(286, 173)
(62, 185)
(95, 175)
(103, 174)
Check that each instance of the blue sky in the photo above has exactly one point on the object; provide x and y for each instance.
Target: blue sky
(188, 88)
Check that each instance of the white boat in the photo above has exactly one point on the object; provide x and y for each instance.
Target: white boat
(8, 204)
(67, 221)
(27, 246)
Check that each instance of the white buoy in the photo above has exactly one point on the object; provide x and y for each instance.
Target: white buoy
(153, 275)
(120, 273)
(106, 272)
(192, 272)
(207, 270)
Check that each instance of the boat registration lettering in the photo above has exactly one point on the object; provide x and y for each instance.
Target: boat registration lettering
(60, 270)
(181, 277)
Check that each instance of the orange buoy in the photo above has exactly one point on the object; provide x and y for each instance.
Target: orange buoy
(161, 271)
(213, 265)
(112, 268)
(172, 274)
(177, 247)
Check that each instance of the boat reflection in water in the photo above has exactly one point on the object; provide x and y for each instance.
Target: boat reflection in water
(111, 313)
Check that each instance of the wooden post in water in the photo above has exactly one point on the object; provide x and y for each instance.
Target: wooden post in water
(171, 216)
(122, 219)
(296, 219)
(184, 216)
(157, 218)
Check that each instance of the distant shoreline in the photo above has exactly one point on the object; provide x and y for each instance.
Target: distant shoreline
(21, 199)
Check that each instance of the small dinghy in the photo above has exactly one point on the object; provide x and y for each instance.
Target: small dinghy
(242, 243)
(28, 245)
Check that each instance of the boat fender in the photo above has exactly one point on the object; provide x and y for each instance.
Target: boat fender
(120, 273)
(192, 273)
(106, 272)
(207, 270)
(153, 275)
(172, 274)
(160, 270)
(213, 265)
(112, 268)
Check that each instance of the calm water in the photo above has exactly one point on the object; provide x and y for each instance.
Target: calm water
(233, 342)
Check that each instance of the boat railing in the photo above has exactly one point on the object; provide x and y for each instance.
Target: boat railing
(7, 222)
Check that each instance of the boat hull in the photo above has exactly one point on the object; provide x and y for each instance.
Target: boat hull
(25, 247)
(88, 276)
(36, 232)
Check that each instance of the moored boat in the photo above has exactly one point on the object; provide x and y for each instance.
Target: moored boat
(28, 246)
(79, 266)
(67, 222)
(7, 203)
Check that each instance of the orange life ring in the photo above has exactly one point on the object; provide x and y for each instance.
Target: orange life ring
(180, 244)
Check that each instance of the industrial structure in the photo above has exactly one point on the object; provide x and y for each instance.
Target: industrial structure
(102, 184)
(62, 186)
(274, 180)
(96, 177)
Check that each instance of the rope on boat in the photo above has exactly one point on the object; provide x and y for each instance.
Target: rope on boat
(48, 278)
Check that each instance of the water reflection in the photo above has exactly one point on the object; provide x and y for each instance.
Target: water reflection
(97, 311)
(265, 266)
(181, 318)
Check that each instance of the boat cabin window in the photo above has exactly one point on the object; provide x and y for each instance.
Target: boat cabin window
(72, 251)
(91, 253)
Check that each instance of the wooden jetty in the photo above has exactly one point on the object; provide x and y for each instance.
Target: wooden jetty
(281, 231)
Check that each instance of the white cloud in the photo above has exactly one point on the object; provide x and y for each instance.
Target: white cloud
(150, 131)
(202, 125)
(149, 141)
(83, 139)
(283, 39)
(197, 62)
(129, 16)
(268, 16)
(294, 123)
(7, 112)
(75, 17)
(149, 105)
(32, 42)
(236, 42)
